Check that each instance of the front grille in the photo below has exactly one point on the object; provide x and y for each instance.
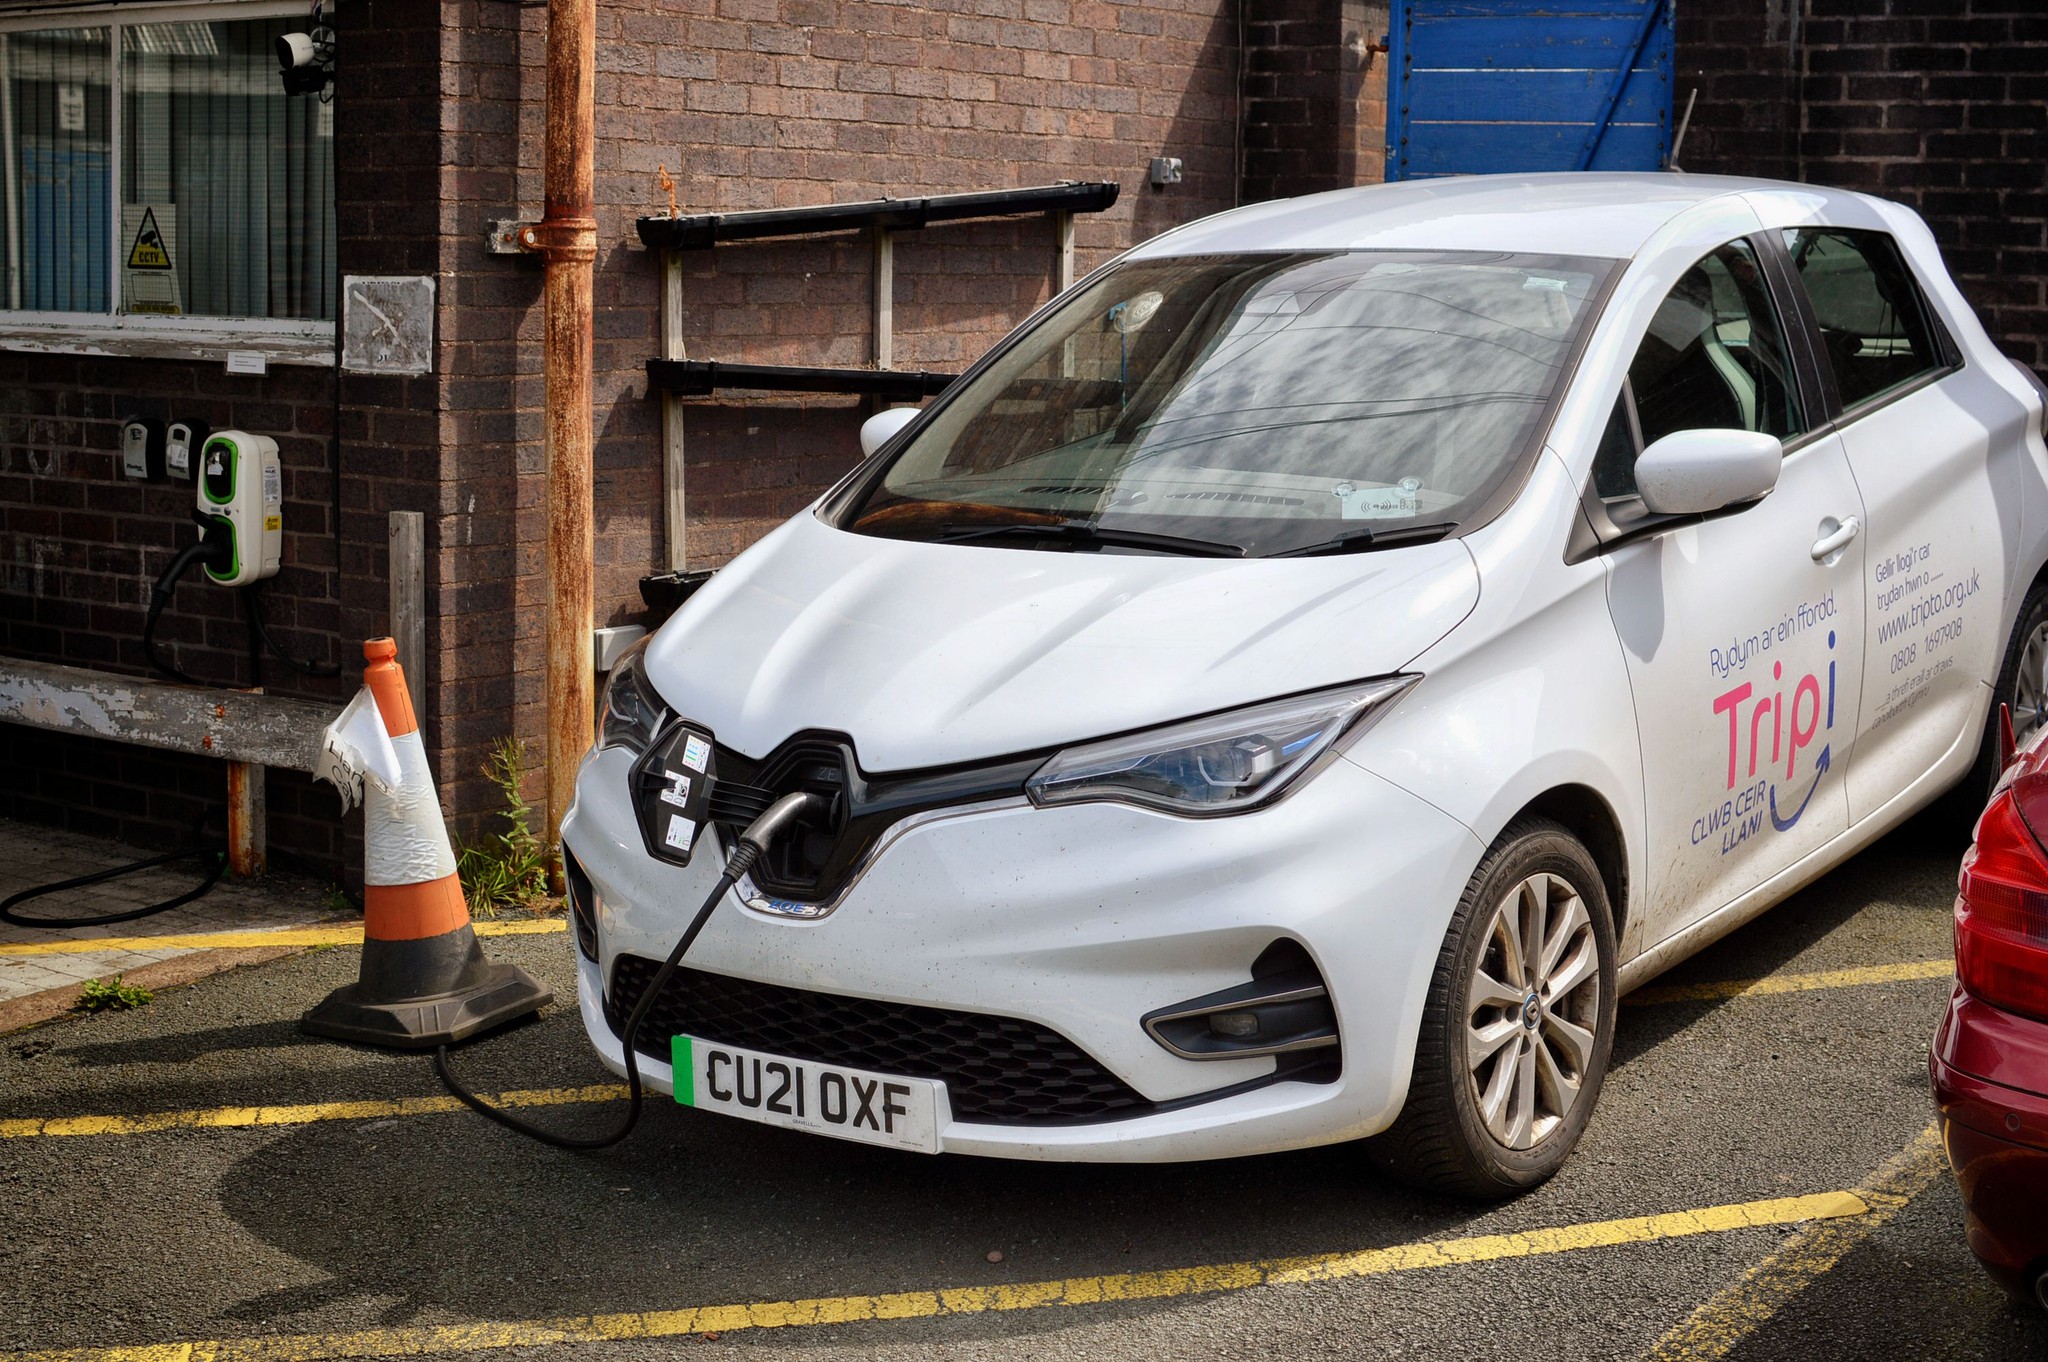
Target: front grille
(996, 1069)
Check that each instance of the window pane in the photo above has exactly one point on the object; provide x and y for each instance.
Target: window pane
(1873, 323)
(1614, 462)
(54, 129)
(1262, 400)
(223, 175)
(1715, 356)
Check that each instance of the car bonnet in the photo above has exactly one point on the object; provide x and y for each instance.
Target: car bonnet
(930, 654)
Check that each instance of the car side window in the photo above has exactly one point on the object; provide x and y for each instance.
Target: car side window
(1714, 359)
(1873, 322)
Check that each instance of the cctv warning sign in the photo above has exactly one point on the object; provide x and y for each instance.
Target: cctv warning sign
(149, 251)
(149, 275)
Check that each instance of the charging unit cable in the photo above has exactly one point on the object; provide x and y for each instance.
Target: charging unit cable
(784, 814)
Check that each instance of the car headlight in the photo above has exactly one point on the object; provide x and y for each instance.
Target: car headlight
(1225, 763)
(633, 710)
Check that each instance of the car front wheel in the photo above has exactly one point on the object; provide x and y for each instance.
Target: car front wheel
(1518, 1026)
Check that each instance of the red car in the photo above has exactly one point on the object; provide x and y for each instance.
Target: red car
(1990, 1057)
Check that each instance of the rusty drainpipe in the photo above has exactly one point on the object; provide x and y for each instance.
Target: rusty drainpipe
(566, 238)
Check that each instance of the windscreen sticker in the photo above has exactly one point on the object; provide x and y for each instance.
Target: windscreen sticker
(1776, 725)
(1380, 503)
(696, 754)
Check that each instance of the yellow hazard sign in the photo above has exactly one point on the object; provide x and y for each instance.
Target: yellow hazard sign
(149, 251)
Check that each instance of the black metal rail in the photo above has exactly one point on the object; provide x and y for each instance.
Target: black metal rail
(700, 231)
(702, 377)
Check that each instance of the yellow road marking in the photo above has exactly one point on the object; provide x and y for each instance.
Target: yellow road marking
(1792, 983)
(1713, 1330)
(228, 1118)
(286, 936)
(975, 1300)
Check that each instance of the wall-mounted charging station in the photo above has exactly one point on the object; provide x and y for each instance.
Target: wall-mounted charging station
(241, 504)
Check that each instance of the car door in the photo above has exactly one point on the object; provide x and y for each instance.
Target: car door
(1926, 464)
(1742, 630)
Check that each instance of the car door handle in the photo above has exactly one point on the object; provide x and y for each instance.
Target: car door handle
(1828, 545)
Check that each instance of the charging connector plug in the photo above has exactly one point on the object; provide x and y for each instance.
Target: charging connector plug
(783, 815)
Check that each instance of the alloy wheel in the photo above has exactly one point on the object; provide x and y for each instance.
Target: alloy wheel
(2030, 687)
(1533, 1008)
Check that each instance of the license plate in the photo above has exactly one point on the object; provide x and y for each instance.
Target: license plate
(824, 1099)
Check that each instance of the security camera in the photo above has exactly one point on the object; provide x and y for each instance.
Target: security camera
(306, 61)
(298, 50)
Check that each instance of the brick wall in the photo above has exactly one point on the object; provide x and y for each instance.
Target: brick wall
(747, 103)
(1941, 104)
(760, 103)
(1315, 97)
(80, 546)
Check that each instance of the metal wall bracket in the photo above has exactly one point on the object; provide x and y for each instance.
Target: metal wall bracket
(676, 377)
(503, 236)
(702, 377)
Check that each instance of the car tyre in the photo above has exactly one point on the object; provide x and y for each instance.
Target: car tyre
(2022, 685)
(1514, 1046)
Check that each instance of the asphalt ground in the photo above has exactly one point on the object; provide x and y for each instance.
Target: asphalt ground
(1704, 1215)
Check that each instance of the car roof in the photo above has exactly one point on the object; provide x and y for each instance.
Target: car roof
(1565, 213)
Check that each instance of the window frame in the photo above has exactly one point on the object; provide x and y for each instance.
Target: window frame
(1599, 530)
(1839, 415)
(280, 340)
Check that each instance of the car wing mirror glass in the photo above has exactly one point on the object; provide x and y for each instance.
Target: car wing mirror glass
(878, 429)
(1693, 472)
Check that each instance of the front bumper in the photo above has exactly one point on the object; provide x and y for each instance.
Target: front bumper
(1081, 919)
(1996, 1134)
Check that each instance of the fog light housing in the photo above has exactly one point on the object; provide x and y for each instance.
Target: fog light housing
(582, 905)
(1285, 1010)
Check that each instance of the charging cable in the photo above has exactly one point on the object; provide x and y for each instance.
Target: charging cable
(207, 550)
(254, 606)
(782, 815)
(217, 859)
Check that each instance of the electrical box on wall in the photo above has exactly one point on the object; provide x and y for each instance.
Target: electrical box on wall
(142, 448)
(241, 499)
(182, 443)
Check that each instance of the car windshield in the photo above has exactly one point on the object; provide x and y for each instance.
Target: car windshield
(1245, 405)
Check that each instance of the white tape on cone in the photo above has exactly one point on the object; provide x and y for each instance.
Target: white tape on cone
(405, 840)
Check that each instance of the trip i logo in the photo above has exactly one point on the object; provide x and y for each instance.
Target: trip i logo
(1782, 725)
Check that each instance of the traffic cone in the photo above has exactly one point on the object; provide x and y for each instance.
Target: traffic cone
(424, 979)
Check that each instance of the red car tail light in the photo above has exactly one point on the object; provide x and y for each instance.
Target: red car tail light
(2002, 907)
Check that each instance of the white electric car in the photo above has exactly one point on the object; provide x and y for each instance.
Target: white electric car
(1291, 687)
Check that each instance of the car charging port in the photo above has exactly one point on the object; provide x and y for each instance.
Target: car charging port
(1284, 1011)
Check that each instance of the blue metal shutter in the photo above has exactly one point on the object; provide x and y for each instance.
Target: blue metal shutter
(1479, 86)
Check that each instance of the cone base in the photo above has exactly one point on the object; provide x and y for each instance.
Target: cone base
(493, 996)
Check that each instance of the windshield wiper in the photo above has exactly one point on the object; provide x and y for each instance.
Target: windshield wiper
(1365, 537)
(1080, 532)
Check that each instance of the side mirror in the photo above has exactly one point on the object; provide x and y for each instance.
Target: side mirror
(1692, 472)
(878, 429)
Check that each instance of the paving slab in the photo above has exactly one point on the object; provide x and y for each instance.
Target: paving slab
(31, 854)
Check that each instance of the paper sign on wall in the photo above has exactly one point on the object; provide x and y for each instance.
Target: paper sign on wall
(149, 273)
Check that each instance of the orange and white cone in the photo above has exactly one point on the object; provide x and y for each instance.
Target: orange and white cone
(424, 979)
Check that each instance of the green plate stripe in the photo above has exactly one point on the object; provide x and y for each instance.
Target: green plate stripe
(685, 1071)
